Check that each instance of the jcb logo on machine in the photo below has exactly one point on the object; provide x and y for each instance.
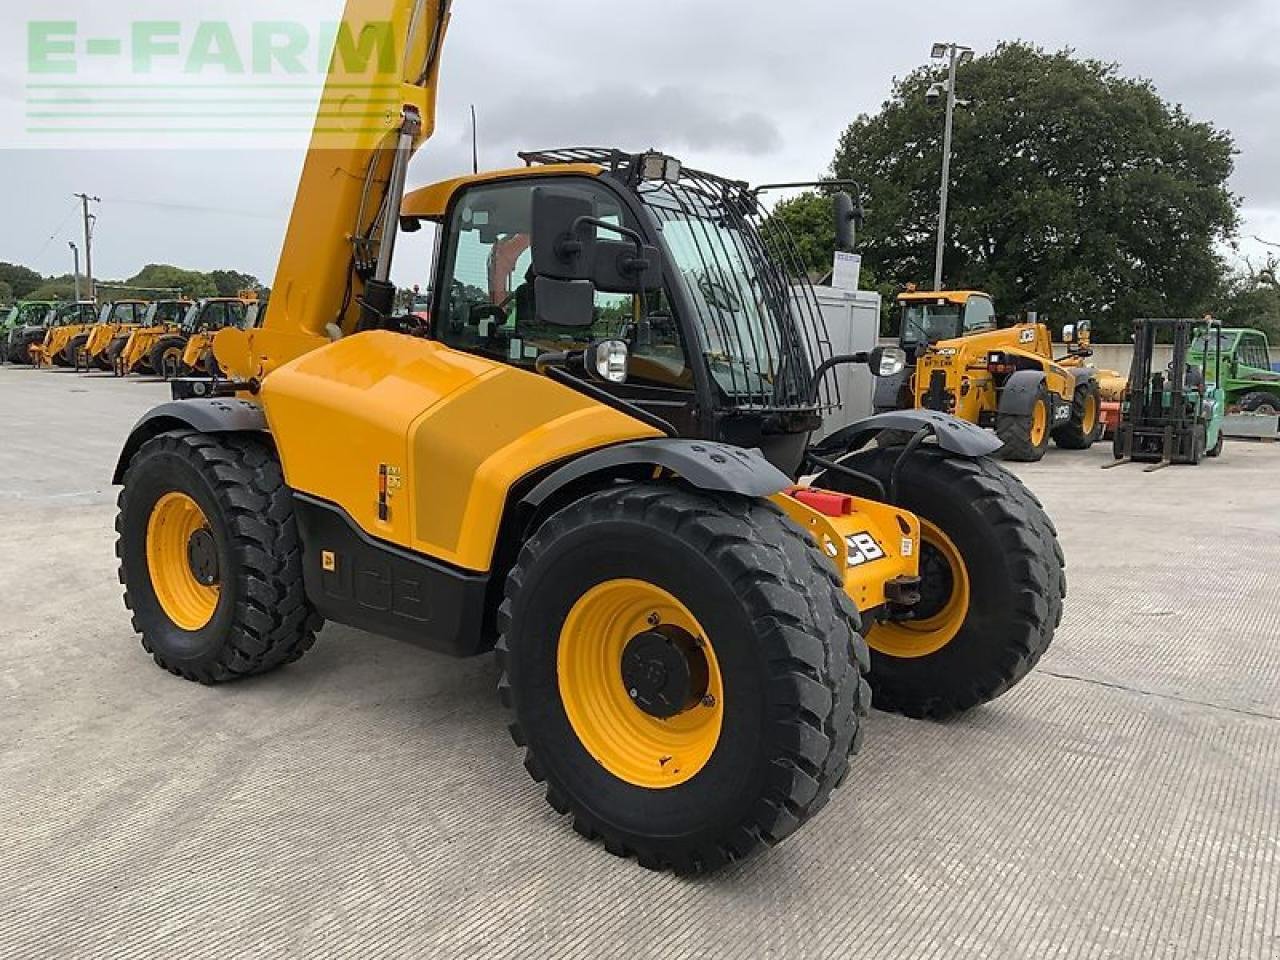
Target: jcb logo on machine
(1062, 412)
(1027, 336)
(863, 549)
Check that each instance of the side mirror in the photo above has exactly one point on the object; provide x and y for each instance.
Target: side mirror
(847, 218)
(887, 361)
(608, 360)
(626, 266)
(1069, 333)
(563, 247)
(1083, 332)
(564, 303)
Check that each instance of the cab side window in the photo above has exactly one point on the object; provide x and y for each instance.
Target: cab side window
(487, 302)
(979, 314)
(1253, 353)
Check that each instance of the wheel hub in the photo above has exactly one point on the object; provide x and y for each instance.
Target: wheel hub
(202, 557)
(936, 583)
(664, 672)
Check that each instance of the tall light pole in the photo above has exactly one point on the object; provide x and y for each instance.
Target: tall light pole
(75, 252)
(88, 242)
(955, 54)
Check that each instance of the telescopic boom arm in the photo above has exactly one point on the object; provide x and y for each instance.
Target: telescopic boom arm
(337, 251)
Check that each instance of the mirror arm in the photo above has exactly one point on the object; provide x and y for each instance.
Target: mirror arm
(627, 232)
(826, 366)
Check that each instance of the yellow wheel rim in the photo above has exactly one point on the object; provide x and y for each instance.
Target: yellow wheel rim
(602, 638)
(1089, 419)
(174, 521)
(1039, 423)
(940, 561)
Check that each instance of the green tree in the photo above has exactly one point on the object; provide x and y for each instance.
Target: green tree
(1250, 297)
(230, 282)
(6, 292)
(161, 276)
(54, 288)
(21, 280)
(1074, 191)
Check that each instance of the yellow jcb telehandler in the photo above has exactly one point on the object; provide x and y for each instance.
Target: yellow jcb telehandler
(148, 347)
(589, 464)
(197, 355)
(92, 350)
(1002, 378)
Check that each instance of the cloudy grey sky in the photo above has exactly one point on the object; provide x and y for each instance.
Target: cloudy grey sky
(751, 89)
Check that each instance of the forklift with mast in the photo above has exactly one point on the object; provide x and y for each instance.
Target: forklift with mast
(589, 465)
(1173, 415)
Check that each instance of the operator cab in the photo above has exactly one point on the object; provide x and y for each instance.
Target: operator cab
(670, 279)
(930, 316)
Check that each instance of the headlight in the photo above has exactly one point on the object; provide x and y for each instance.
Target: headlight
(608, 360)
(887, 361)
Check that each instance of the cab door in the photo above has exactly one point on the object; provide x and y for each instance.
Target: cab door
(484, 299)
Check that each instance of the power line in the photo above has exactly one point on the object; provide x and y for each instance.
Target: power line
(193, 208)
(53, 236)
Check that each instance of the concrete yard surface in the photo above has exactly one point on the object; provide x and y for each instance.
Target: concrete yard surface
(1123, 801)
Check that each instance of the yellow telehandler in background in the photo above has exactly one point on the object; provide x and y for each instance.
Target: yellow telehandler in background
(197, 355)
(92, 349)
(1001, 378)
(149, 346)
(589, 464)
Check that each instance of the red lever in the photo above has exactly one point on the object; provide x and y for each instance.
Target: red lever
(824, 501)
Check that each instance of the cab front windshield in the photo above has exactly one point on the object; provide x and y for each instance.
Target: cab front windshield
(749, 316)
(924, 322)
(29, 314)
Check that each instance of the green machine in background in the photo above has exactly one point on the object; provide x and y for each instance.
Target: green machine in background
(1173, 415)
(1248, 378)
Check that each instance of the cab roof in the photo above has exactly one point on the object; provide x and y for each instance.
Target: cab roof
(431, 202)
(954, 296)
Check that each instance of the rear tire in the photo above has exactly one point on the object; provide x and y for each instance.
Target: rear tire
(785, 638)
(1026, 436)
(1081, 430)
(1260, 401)
(1014, 573)
(259, 617)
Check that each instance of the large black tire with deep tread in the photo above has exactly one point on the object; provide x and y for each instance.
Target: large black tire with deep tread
(76, 344)
(1260, 399)
(746, 563)
(20, 350)
(156, 357)
(1072, 435)
(263, 619)
(1014, 431)
(1017, 572)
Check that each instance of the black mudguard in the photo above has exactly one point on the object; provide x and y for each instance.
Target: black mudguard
(214, 415)
(1019, 393)
(705, 465)
(954, 435)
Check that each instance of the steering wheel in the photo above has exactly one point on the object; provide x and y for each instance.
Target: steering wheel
(480, 311)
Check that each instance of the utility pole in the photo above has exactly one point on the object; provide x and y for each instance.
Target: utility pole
(85, 199)
(75, 252)
(955, 54)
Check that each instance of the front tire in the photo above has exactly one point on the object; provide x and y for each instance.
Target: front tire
(210, 557)
(165, 358)
(770, 697)
(1081, 430)
(1026, 436)
(992, 585)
